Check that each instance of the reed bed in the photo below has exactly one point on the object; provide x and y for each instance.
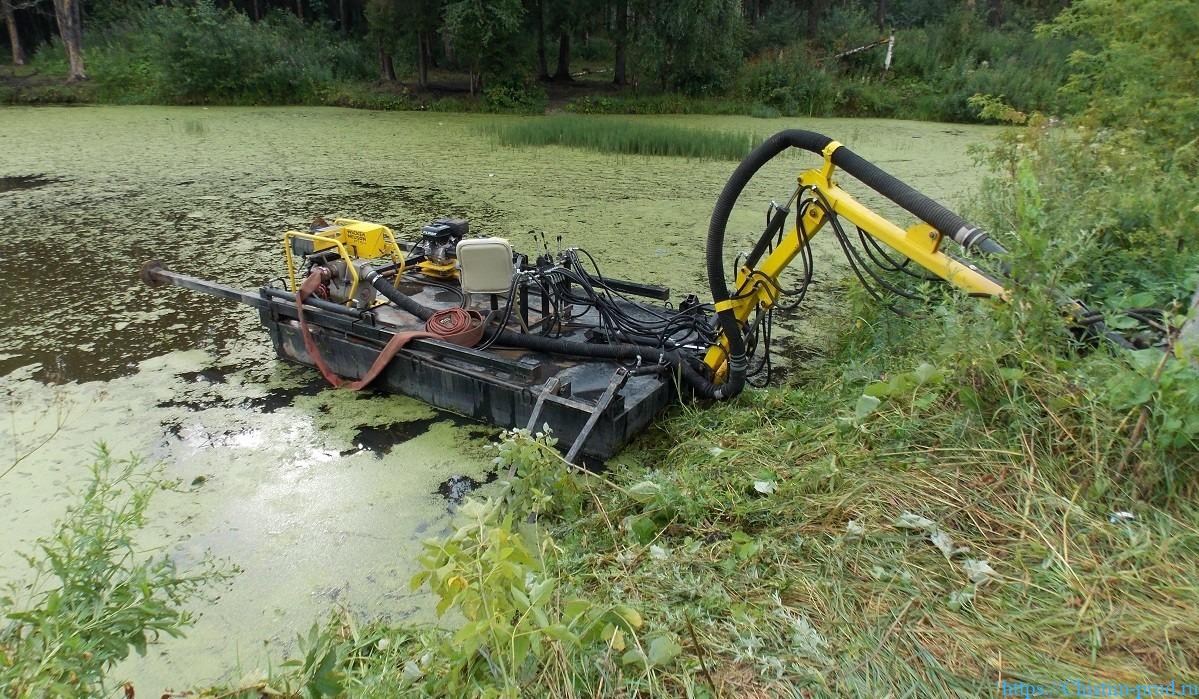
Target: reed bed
(625, 136)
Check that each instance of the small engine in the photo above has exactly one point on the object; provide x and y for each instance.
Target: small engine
(438, 241)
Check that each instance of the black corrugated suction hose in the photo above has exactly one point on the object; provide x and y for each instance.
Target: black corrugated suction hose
(945, 221)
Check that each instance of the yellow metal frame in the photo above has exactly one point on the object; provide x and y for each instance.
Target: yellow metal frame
(759, 288)
(324, 242)
(329, 243)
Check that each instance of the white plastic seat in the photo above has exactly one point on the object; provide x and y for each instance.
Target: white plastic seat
(485, 265)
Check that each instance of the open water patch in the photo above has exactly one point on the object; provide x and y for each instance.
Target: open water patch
(455, 489)
(19, 182)
(381, 439)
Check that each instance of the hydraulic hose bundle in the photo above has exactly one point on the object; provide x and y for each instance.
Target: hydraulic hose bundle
(616, 351)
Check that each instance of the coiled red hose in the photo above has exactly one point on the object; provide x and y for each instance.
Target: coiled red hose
(457, 325)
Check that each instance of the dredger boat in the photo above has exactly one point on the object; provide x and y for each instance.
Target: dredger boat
(470, 325)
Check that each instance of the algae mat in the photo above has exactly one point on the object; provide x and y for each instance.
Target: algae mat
(319, 497)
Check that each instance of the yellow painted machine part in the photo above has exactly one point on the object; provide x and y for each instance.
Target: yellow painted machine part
(353, 239)
(921, 243)
(368, 241)
(449, 270)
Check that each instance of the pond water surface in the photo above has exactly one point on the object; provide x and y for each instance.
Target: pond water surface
(319, 497)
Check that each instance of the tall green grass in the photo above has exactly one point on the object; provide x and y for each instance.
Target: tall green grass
(625, 137)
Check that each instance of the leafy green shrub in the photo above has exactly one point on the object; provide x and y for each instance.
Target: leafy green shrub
(1094, 214)
(1140, 69)
(362, 96)
(514, 98)
(692, 46)
(201, 54)
(48, 93)
(502, 576)
(791, 85)
(994, 109)
(220, 55)
(94, 596)
(1122, 209)
(959, 57)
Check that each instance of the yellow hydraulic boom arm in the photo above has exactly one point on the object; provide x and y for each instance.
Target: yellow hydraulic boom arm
(756, 287)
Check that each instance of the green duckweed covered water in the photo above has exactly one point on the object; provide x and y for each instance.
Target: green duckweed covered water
(320, 498)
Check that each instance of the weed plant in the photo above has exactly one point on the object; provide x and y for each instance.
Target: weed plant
(92, 596)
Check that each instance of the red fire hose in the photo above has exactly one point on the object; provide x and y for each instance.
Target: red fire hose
(456, 325)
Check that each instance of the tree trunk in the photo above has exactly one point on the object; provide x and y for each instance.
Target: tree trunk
(994, 13)
(343, 17)
(70, 28)
(14, 39)
(387, 69)
(622, 40)
(815, 8)
(422, 59)
(300, 9)
(563, 72)
(257, 13)
(430, 54)
(880, 15)
(543, 67)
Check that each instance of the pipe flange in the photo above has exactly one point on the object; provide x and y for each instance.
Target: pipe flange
(149, 273)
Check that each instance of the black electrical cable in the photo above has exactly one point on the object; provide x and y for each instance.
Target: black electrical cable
(855, 259)
(628, 318)
(805, 256)
(891, 265)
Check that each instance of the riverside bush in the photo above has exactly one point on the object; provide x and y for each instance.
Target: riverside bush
(201, 54)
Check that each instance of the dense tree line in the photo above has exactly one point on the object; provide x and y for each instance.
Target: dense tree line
(689, 45)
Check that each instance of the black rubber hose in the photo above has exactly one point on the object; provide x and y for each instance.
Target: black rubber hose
(922, 207)
(778, 219)
(729, 325)
(397, 297)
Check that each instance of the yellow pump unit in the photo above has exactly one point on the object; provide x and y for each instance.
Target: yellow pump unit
(353, 240)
